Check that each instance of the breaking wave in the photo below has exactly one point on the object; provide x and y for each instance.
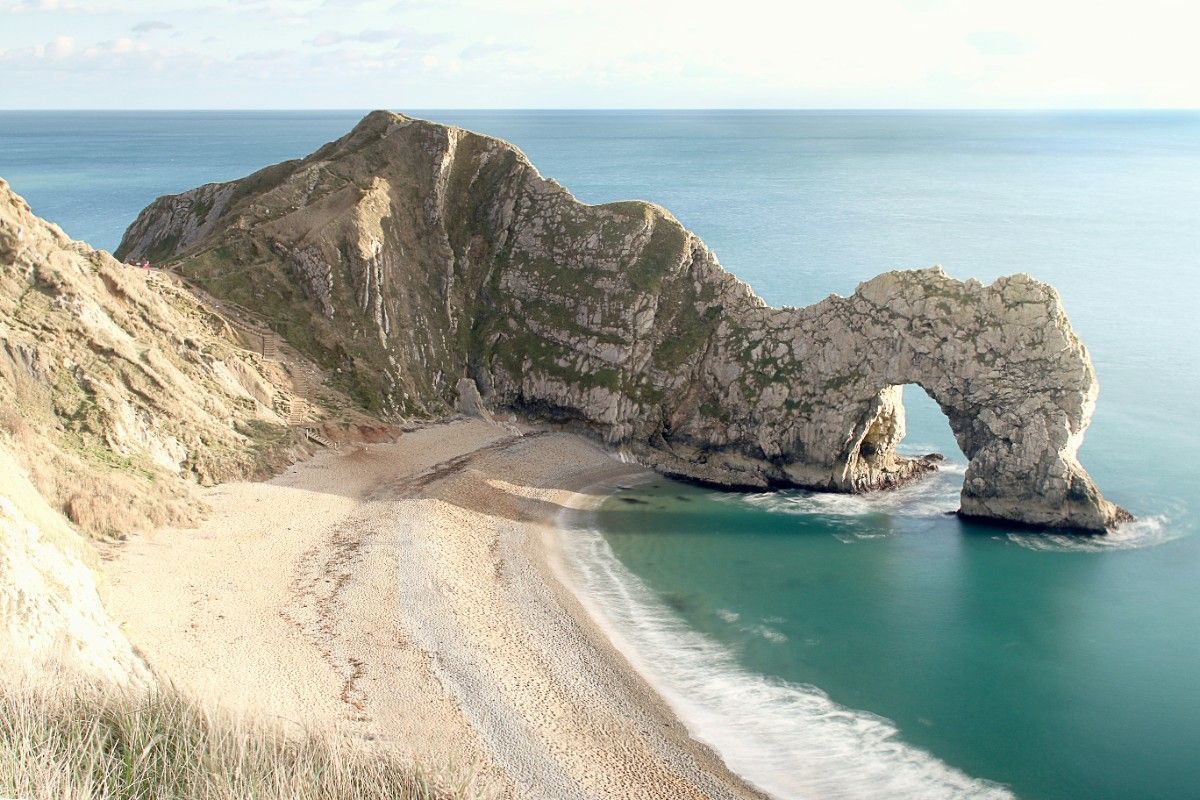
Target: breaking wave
(933, 495)
(937, 495)
(790, 740)
(1143, 532)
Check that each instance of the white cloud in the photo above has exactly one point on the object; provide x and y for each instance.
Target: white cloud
(121, 46)
(399, 34)
(61, 47)
(485, 49)
(606, 53)
(58, 49)
(50, 7)
(150, 25)
(107, 56)
(281, 54)
(999, 43)
(41, 5)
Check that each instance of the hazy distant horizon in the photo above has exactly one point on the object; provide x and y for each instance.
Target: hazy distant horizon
(542, 54)
(621, 109)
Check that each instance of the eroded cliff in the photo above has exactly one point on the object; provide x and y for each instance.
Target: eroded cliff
(408, 255)
(119, 391)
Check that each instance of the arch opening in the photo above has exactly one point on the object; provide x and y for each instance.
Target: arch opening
(902, 437)
(927, 427)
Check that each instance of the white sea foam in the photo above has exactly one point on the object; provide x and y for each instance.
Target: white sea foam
(1143, 532)
(936, 494)
(790, 740)
(770, 634)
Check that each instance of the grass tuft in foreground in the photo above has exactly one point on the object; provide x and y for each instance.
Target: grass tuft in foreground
(84, 743)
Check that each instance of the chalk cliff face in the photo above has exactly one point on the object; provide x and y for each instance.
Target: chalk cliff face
(51, 612)
(119, 390)
(408, 255)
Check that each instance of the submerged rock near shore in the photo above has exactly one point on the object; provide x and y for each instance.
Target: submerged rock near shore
(407, 256)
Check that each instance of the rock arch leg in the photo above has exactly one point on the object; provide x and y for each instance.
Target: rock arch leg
(871, 461)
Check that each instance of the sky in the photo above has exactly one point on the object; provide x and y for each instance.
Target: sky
(413, 54)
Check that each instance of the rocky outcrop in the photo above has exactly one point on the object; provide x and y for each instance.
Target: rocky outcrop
(408, 255)
(177, 225)
(470, 402)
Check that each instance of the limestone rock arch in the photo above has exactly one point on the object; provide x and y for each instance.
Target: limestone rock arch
(408, 256)
(1001, 361)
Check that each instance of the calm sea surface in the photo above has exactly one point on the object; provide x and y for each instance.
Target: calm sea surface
(856, 647)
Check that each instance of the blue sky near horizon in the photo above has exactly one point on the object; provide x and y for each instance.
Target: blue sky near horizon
(612, 54)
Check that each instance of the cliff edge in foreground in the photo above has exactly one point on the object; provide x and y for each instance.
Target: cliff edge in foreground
(408, 255)
(119, 391)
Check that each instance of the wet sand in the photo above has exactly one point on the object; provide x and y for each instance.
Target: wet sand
(408, 594)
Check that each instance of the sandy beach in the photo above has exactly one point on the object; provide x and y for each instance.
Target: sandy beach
(406, 593)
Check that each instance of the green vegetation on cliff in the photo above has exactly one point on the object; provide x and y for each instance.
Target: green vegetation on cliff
(408, 255)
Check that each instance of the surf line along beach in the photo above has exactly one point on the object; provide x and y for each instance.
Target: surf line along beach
(406, 594)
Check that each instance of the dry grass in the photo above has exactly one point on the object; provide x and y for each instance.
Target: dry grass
(85, 743)
(101, 493)
(13, 424)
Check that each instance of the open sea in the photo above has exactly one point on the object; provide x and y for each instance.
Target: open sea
(855, 647)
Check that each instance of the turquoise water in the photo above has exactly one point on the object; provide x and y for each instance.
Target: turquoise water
(857, 647)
